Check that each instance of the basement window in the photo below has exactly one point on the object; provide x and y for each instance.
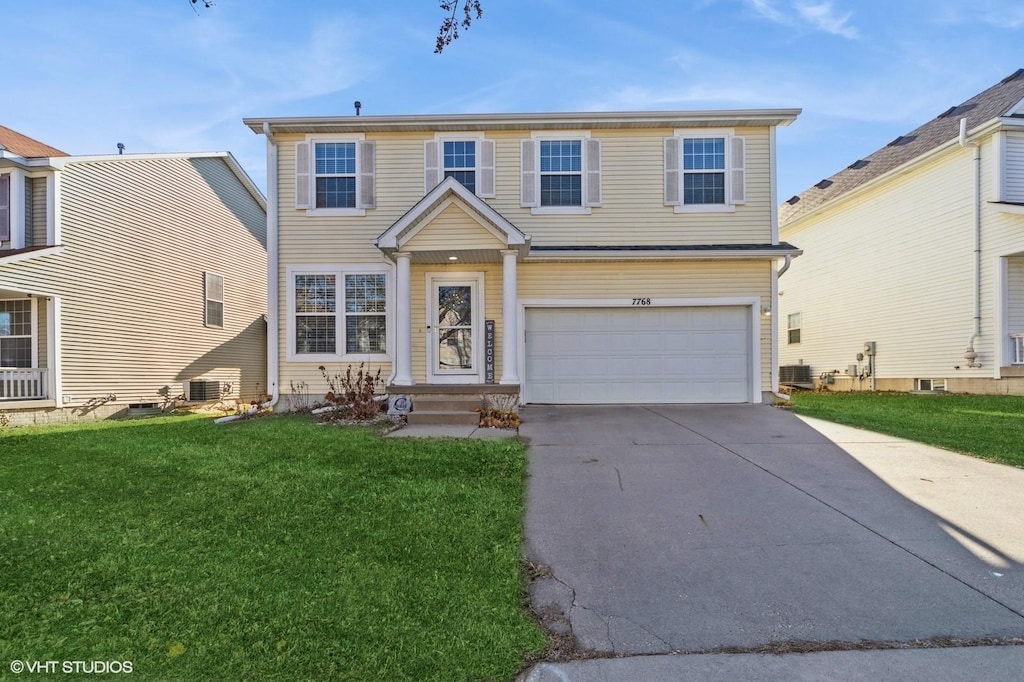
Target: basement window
(931, 384)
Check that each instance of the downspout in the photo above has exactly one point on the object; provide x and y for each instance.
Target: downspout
(970, 355)
(781, 271)
(273, 304)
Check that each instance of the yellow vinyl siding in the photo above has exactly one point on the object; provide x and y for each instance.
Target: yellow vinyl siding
(633, 210)
(138, 235)
(696, 280)
(453, 229)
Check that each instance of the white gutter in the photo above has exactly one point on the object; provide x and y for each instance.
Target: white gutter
(970, 355)
(273, 331)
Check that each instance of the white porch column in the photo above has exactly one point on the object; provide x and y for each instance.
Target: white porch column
(509, 316)
(403, 321)
(19, 239)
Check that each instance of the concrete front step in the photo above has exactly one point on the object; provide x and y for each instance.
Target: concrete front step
(446, 403)
(442, 417)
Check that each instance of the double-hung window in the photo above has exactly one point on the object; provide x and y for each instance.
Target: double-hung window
(16, 333)
(460, 162)
(335, 168)
(467, 158)
(214, 299)
(561, 174)
(705, 171)
(335, 313)
(793, 324)
(335, 176)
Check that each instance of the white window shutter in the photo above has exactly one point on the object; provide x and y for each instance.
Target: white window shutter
(593, 172)
(485, 184)
(366, 194)
(302, 172)
(672, 178)
(528, 179)
(738, 170)
(431, 165)
(5, 208)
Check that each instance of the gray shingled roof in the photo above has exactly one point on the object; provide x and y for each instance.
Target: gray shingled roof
(992, 103)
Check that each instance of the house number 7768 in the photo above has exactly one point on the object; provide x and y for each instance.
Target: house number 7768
(641, 301)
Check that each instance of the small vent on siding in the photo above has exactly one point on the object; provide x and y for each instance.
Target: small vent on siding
(202, 391)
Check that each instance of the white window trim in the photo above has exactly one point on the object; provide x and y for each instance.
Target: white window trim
(478, 169)
(339, 271)
(312, 139)
(207, 299)
(34, 335)
(799, 328)
(580, 135)
(728, 134)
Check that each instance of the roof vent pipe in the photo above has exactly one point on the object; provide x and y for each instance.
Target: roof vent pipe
(970, 355)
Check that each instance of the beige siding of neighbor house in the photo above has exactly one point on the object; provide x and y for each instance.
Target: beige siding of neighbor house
(902, 257)
(138, 236)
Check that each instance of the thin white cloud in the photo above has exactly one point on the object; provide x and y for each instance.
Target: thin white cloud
(824, 17)
(821, 16)
(768, 10)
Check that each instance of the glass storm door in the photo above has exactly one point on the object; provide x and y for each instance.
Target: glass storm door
(454, 336)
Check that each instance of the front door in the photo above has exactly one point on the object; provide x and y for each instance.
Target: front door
(453, 318)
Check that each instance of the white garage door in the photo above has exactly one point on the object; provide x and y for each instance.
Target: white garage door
(638, 355)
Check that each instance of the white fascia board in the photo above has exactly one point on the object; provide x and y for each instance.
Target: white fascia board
(528, 121)
(28, 255)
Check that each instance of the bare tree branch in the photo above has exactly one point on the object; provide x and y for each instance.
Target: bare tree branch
(449, 31)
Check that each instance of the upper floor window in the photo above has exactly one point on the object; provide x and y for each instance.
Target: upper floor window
(705, 171)
(561, 174)
(335, 177)
(335, 174)
(460, 162)
(470, 160)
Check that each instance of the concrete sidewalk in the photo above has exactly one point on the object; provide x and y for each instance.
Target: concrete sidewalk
(673, 529)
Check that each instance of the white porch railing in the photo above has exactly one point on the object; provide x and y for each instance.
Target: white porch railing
(22, 384)
(1018, 348)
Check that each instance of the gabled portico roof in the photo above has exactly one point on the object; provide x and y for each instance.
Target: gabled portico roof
(447, 192)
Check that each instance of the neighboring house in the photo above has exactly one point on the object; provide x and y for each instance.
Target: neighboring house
(913, 277)
(127, 281)
(566, 257)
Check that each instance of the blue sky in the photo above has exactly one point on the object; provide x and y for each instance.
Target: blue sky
(83, 76)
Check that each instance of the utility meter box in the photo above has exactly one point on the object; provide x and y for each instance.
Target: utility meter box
(869, 348)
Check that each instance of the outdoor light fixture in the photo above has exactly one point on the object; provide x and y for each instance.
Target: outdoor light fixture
(453, 258)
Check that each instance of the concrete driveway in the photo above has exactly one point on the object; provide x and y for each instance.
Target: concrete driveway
(707, 528)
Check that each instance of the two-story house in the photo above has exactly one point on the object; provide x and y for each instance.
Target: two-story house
(624, 257)
(127, 281)
(913, 277)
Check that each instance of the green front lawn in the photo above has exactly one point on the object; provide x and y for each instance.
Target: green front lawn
(990, 427)
(266, 549)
